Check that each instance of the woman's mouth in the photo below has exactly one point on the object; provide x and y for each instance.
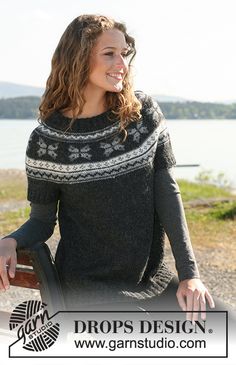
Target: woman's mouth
(116, 76)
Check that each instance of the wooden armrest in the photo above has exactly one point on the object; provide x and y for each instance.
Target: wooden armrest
(39, 272)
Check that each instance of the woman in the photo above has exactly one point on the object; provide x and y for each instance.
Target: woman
(103, 152)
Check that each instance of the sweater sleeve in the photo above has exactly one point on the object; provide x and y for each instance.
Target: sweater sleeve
(164, 156)
(41, 155)
(169, 207)
(38, 228)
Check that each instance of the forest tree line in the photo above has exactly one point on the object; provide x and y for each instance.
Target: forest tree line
(26, 107)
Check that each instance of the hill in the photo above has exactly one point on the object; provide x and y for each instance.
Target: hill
(26, 107)
(11, 90)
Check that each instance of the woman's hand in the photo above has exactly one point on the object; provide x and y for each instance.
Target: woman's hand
(8, 260)
(192, 295)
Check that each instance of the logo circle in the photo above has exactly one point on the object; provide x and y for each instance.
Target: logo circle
(34, 325)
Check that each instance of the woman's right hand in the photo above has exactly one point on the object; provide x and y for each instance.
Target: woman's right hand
(8, 261)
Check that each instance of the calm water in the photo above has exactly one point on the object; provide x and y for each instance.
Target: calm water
(210, 143)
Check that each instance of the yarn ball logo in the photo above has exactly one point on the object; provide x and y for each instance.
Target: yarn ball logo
(33, 325)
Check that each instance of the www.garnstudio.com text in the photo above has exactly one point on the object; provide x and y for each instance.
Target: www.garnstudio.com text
(146, 343)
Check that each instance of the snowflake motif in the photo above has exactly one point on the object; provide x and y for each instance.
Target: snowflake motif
(47, 149)
(137, 131)
(113, 146)
(79, 152)
(164, 136)
(155, 111)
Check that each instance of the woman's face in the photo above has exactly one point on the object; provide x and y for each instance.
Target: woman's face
(109, 63)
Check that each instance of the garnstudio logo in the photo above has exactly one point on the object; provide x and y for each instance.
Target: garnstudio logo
(34, 326)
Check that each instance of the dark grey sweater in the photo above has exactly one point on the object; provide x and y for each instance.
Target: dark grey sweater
(116, 200)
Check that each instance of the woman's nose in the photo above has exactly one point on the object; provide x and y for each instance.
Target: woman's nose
(121, 61)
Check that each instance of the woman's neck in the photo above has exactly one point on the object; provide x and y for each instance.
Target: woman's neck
(94, 105)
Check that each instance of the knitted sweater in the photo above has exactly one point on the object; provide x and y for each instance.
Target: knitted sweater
(112, 238)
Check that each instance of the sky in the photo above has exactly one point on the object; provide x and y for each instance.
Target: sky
(185, 48)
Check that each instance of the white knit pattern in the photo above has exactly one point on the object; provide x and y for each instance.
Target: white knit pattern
(87, 171)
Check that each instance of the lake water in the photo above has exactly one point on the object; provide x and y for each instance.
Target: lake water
(209, 143)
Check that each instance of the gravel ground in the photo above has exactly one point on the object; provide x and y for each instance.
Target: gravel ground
(13, 206)
(221, 283)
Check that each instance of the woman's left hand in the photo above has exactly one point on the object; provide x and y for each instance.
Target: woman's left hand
(191, 296)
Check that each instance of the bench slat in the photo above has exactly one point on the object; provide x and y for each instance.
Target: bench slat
(25, 278)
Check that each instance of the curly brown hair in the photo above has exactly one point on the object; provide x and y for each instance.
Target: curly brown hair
(70, 71)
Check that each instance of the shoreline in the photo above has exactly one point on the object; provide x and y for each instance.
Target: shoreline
(11, 171)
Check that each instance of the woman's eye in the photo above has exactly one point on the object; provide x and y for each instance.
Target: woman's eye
(111, 54)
